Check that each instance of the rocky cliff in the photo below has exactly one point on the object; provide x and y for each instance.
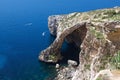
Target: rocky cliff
(96, 33)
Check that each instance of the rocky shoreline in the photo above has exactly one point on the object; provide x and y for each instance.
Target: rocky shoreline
(97, 34)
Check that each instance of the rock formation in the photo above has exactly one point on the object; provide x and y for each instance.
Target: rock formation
(97, 33)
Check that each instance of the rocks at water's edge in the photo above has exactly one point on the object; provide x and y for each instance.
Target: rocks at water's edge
(97, 33)
(57, 66)
(72, 63)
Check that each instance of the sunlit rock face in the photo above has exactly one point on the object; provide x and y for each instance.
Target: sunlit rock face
(53, 22)
(97, 33)
(52, 53)
(97, 50)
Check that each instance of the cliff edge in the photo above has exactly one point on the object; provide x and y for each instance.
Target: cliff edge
(96, 33)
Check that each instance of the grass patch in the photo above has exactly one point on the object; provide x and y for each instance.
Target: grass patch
(116, 60)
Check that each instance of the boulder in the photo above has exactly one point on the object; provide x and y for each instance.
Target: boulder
(72, 63)
(57, 66)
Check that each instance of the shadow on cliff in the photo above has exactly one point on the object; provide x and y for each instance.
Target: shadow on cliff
(71, 47)
(69, 51)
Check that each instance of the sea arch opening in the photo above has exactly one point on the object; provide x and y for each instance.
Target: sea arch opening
(71, 46)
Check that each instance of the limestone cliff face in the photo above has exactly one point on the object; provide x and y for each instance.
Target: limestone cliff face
(97, 33)
(52, 53)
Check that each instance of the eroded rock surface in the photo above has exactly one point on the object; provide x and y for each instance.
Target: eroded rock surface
(97, 33)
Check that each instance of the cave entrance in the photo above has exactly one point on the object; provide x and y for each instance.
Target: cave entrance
(70, 51)
(71, 47)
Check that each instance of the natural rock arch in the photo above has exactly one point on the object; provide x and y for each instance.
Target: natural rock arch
(53, 53)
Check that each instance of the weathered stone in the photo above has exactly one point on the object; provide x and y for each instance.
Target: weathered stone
(97, 33)
(53, 22)
(52, 53)
(57, 66)
(72, 63)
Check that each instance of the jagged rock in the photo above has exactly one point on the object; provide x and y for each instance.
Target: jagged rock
(53, 22)
(72, 63)
(52, 53)
(97, 33)
(66, 73)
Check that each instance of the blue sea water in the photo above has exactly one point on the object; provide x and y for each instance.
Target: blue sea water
(21, 26)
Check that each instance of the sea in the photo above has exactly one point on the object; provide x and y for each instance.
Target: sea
(24, 34)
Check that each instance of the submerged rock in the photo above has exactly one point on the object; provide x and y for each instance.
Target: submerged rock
(97, 33)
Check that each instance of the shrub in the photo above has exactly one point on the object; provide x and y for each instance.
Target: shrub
(116, 60)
